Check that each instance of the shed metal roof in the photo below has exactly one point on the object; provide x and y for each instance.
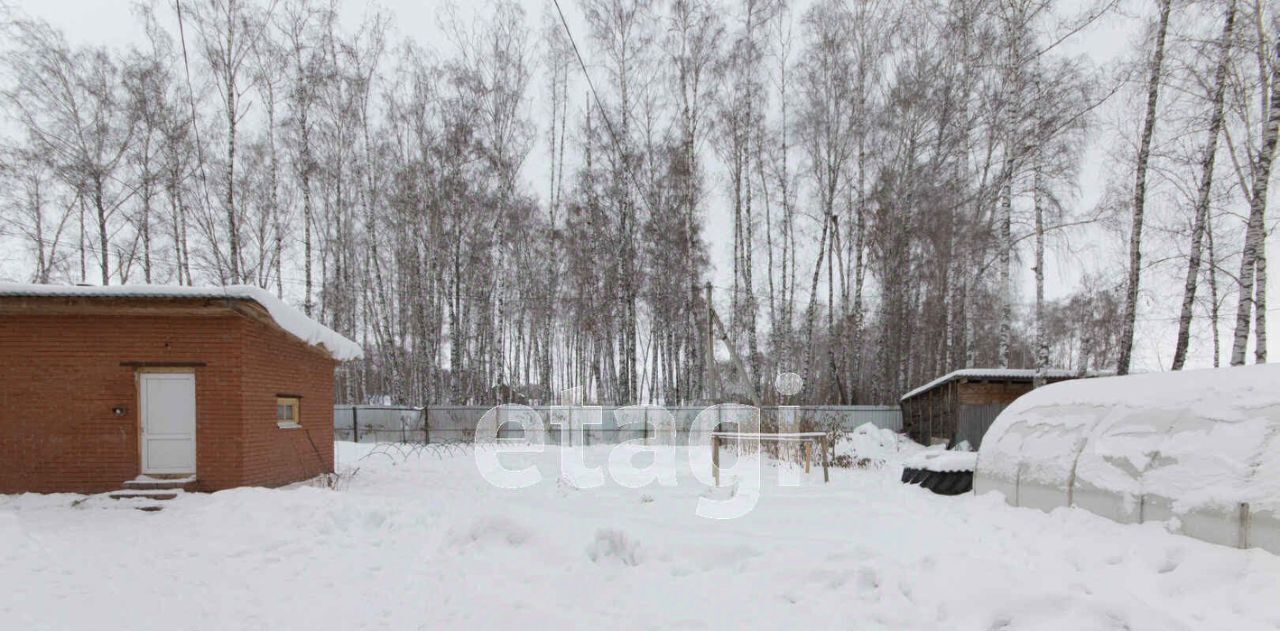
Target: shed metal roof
(1008, 374)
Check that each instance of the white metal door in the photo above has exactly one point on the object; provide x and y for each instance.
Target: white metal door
(168, 422)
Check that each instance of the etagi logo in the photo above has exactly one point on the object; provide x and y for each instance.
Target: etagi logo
(659, 449)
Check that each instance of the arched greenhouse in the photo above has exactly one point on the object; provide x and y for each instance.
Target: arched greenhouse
(1197, 449)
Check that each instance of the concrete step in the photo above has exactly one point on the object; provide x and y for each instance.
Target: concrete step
(152, 483)
(149, 494)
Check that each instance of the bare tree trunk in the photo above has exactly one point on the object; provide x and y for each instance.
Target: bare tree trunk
(177, 238)
(1140, 194)
(145, 220)
(274, 192)
(37, 218)
(84, 269)
(1206, 184)
(1213, 290)
(1260, 320)
(1013, 142)
(1006, 264)
(771, 287)
(104, 241)
(186, 249)
(1042, 343)
(233, 231)
(833, 245)
(308, 305)
(811, 313)
(859, 274)
(1255, 235)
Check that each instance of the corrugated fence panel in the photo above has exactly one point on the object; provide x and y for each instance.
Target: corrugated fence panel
(378, 423)
(973, 421)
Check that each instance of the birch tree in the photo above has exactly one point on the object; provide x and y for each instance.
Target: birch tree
(827, 128)
(1203, 195)
(1154, 69)
(228, 31)
(67, 103)
(1252, 261)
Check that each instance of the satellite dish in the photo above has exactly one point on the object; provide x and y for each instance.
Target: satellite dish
(788, 383)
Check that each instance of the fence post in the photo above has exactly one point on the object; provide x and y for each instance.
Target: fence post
(715, 458)
(826, 474)
(1244, 517)
(426, 423)
(355, 423)
(646, 425)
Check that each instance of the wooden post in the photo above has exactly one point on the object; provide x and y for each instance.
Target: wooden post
(355, 424)
(715, 458)
(1243, 537)
(808, 450)
(826, 473)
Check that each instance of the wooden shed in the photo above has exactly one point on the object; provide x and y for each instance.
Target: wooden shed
(959, 406)
(148, 387)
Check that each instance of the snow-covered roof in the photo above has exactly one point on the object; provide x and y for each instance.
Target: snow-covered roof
(286, 317)
(1010, 374)
(943, 461)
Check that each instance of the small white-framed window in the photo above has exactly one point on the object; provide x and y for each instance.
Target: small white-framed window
(288, 411)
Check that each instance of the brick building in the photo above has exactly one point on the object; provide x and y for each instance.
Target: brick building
(213, 387)
(961, 405)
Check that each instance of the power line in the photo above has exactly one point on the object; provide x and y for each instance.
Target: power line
(613, 136)
(191, 98)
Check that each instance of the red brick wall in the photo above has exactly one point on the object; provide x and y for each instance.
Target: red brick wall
(276, 364)
(61, 375)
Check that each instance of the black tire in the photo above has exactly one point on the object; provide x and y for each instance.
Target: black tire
(956, 483)
(948, 483)
(940, 482)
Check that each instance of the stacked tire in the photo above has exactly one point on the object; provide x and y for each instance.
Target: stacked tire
(940, 482)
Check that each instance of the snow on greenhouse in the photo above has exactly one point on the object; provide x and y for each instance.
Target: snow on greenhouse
(1198, 450)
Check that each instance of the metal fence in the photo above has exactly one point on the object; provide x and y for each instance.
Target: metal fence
(451, 424)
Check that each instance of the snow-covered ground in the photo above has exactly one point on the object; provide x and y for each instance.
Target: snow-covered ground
(422, 541)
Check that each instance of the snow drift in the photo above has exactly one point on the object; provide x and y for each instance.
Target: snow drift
(875, 445)
(1198, 450)
(419, 540)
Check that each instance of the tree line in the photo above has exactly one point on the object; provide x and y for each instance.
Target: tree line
(527, 209)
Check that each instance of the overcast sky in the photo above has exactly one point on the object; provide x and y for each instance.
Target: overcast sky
(111, 23)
